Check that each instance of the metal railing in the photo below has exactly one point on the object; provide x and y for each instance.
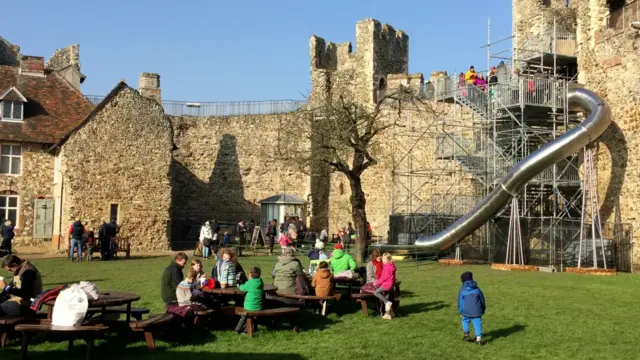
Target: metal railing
(622, 17)
(564, 45)
(204, 109)
(528, 90)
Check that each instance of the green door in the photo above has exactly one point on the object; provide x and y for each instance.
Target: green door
(43, 223)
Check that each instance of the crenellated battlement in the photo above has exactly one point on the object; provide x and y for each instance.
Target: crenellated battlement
(380, 50)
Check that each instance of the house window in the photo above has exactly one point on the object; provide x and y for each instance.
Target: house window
(617, 14)
(114, 211)
(546, 2)
(10, 159)
(9, 208)
(12, 111)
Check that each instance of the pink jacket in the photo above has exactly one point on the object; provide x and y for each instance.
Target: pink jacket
(388, 277)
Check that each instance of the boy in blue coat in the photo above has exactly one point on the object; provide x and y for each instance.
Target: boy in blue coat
(471, 306)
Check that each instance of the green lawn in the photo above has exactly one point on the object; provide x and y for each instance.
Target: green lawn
(529, 316)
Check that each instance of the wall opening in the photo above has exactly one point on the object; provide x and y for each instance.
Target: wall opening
(114, 212)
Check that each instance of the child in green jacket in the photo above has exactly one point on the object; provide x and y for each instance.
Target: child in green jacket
(254, 287)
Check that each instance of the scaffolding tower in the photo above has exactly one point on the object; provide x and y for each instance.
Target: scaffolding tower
(442, 168)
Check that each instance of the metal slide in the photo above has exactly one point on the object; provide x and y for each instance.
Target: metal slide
(597, 121)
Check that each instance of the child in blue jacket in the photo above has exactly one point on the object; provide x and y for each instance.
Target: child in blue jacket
(471, 306)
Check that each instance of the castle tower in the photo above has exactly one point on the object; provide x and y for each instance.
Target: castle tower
(149, 86)
(337, 70)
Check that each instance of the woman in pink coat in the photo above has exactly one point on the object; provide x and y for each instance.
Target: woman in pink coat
(385, 283)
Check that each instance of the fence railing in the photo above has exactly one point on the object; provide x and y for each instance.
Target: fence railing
(622, 17)
(203, 109)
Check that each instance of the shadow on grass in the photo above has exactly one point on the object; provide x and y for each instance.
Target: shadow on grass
(419, 308)
(69, 282)
(504, 332)
(140, 352)
(407, 294)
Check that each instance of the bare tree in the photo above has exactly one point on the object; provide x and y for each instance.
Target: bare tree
(341, 134)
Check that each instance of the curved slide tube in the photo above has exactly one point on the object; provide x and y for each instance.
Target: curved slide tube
(597, 121)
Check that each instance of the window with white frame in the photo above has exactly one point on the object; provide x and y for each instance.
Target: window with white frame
(10, 159)
(9, 208)
(12, 110)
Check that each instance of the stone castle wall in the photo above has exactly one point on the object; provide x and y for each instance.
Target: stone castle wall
(122, 155)
(34, 182)
(607, 61)
(224, 165)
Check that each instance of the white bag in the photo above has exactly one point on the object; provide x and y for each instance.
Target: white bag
(349, 274)
(90, 288)
(70, 307)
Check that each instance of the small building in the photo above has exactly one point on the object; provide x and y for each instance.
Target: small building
(280, 206)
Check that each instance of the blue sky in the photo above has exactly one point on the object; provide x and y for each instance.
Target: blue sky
(241, 50)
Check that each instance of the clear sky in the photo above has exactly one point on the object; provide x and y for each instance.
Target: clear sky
(241, 50)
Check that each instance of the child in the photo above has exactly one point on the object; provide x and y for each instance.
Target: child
(284, 241)
(226, 238)
(196, 265)
(471, 306)
(91, 245)
(226, 269)
(385, 283)
(183, 291)
(322, 280)
(253, 299)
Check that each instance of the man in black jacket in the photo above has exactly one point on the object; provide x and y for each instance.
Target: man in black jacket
(171, 277)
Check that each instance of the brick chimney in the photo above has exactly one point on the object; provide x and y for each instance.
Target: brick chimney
(149, 86)
(32, 65)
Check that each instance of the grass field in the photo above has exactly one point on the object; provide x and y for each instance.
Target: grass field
(529, 316)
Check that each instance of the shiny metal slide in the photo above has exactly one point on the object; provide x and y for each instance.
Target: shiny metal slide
(597, 121)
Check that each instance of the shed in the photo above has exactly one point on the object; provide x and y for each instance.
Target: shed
(280, 206)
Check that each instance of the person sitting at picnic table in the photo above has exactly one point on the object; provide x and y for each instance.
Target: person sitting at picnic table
(254, 289)
(285, 272)
(171, 277)
(15, 297)
(316, 253)
(226, 269)
(374, 267)
(184, 289)
(341, 261)
(322, 280)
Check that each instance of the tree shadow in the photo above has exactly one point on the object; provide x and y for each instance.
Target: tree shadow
(504, 332)
(192, 198)
(407, 294)
(418, 308)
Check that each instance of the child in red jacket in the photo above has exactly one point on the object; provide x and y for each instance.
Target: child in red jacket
(385, 283)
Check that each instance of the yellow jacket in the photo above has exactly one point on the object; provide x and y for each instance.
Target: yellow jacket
(470, 76)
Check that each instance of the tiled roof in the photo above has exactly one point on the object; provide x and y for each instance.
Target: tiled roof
(52, 110)
(283, 198)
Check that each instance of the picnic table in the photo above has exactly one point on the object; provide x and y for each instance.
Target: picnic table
(105, 299)
(347, 281)
(236, 290)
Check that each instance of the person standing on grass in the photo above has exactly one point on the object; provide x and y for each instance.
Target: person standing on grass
(171, 277)
(471, 306)
(7, 235)
(254, 287)
(76, 232)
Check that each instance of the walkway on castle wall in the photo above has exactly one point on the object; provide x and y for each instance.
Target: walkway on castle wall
(231, 108)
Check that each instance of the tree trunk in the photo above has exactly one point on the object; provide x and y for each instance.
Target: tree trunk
(359, 215)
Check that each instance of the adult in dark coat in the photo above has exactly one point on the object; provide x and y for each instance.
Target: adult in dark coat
(105, 241)
(171, 277)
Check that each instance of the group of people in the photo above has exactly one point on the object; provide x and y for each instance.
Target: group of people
(83, 241)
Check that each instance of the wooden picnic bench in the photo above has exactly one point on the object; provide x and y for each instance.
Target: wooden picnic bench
(287, 312)
(363, 297)
(149, 325)
(322, 300)
(124, 246)
(6, 325)
(136, 313)
(87, 333)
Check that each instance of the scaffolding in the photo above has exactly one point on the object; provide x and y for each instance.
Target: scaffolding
(442, 168)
